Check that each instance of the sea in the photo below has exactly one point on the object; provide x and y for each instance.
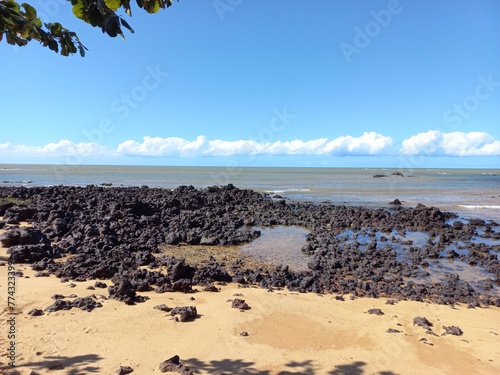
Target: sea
(467, 192)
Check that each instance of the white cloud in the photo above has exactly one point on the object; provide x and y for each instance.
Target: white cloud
(229, 148)
(368, 144)
(61, 148)
(435, 143)
(156, 147)
(431, 143)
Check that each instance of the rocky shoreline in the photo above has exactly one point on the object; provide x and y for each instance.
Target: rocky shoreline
(95, 232)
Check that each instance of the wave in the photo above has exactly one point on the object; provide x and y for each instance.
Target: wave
(473, 206)
(16, 182)
(291, 190)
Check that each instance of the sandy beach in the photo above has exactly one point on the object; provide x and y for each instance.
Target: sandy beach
(287, 333)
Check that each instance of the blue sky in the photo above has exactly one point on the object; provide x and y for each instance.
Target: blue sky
(395, 83)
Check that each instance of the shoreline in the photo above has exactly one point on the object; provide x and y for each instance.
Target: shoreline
(314, 321)
(287, 333)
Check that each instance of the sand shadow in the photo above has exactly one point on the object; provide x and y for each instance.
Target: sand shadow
(229, 366)
(355, 368)
(77, 365)
(241, 367)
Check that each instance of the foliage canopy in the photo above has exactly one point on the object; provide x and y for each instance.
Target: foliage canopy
(19, 23)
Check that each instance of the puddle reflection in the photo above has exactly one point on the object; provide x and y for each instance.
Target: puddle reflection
(280, 245)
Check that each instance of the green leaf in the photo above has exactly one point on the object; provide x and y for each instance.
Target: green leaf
(126, 5)
(94, 17)
(113, 4)
(53, 45)
(55, 28)
(10, 40)
(82, 50)
(111, 26)
(37, 22)
(78, 9)
(12, 5)
(24, 31)
(125, 24)
(156, 6)
(30, 11)
(64, 49)
(14, 39)
(150, 6)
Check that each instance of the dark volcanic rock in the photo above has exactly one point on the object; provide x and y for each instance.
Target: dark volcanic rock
(178, 269)
(86, 303)
(29, 253)
(392, 330)
(124, 370)
(123, 291)
(43, 264)
(375, 312)
(4, 206)
(452, 330)
(184, 286)
(35, 312)
(23, 236)
(422, 322)
(185, 313)
(113, 233)
(211, 288)
(41, 274)
(163, 307)
(239, 304)
(16, 214)
(60, 304)
(100, 284)
(174, 365)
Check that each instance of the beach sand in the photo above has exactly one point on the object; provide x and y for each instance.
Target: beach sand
(288, 333)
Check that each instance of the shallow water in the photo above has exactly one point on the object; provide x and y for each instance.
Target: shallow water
(472, 274)
(280, 245)
(437, 269)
